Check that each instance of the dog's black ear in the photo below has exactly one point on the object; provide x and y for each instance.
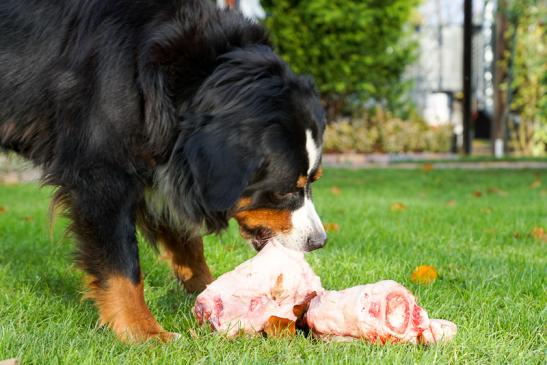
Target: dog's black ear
(221, 166)
(159, 110)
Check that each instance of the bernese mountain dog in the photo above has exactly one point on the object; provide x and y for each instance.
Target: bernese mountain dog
(167, 116)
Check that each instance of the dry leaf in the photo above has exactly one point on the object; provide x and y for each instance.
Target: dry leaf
(398, 207)
(279, 327)
(477, 194)
(486, 210)
(496, 190)
(424, 274)
(539, 233)
(331, 227)
(536, 183)
(2, 210)
(28, 218)
(451, 203)
(335, 190)
(426, 167)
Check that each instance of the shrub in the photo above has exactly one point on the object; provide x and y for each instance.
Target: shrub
(390, 135)
(527, 83)
(357, 50)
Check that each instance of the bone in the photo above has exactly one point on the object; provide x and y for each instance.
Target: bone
(277, 290)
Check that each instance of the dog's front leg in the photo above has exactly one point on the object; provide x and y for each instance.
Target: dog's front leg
(187, 260)
(102, 208)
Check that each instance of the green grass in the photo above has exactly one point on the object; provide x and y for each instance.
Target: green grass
(492, 274)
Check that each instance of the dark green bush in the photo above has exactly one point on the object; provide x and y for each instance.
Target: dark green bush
(357, 50)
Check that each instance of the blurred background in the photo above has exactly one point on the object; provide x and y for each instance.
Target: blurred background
(411, 78)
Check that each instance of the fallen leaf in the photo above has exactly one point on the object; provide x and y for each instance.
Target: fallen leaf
(28, 218)
(2, 210)
(477, 194)
(543, 192)
(496, 190)
(279, 327)
(539, 233)
(486, 210)
(398, 207)
(536, 183)
(426, 167)
(451, 203)
(424, 274)
(331, 227)
(335, 190)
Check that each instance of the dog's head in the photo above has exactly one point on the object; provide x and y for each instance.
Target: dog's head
(249, 142)
(252, 140)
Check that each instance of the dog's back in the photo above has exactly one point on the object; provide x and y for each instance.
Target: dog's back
(50, 53)
(29, 45)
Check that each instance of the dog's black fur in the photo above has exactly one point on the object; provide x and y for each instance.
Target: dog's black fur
(127, 102)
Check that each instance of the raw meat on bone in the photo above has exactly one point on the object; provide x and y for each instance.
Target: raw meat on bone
(269, 284)
(384, 311)
(278, 283)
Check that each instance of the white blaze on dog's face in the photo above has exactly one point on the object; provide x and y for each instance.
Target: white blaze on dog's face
(307, 231)
(293, 221)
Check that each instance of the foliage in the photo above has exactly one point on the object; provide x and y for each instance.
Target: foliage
(387, 135)
(356, 50)
(528, 77)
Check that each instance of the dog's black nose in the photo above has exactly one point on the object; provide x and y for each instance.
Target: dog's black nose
(313, 243)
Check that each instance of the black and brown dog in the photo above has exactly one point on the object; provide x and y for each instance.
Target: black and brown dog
(167, 115)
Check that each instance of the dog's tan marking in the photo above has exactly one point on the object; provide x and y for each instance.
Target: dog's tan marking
(277, 221)
(317, 175)
(244, 202)
(302, 182)
(187, 260)
(122, 308)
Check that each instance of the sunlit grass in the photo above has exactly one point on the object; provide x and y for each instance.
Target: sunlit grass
(492, 274)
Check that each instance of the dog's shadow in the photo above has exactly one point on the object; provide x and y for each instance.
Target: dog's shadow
(42, 269)
(45, 269)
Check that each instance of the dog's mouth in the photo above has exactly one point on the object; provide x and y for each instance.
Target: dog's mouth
(258, 237)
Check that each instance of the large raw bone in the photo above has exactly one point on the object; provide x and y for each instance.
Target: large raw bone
(277, 287)
(269, 284)
(380, 312)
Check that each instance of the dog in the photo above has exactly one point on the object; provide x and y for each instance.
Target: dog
(167, 116)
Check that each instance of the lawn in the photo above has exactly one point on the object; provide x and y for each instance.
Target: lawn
(475, 227)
